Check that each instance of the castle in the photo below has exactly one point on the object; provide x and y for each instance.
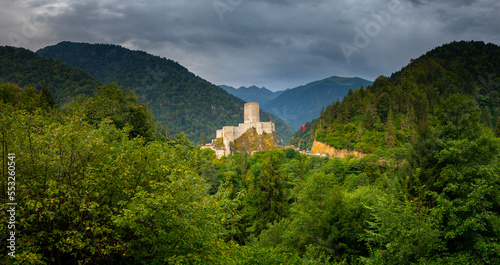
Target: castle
(226, 136)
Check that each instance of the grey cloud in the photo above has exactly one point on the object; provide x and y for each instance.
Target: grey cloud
(273, 43)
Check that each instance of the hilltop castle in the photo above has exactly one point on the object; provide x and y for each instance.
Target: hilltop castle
(261, 135)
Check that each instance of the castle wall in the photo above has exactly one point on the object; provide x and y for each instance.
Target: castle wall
(251, 119)
(228, 136)
(261, 127)
(219, 153)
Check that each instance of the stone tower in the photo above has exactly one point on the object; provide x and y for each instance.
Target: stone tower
(228, 134)
(251, 112)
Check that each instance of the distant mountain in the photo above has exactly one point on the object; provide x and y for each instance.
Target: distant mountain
(252, 94)
(304, 103)
(25, 68)
(179, 100)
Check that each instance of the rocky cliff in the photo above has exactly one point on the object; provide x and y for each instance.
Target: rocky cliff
(322, 148)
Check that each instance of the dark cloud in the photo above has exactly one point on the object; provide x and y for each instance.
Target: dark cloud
(273, 43)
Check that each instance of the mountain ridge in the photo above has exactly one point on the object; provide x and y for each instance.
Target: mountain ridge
(252, 93)
(303, 103)
(389, 113)
(178, 98)
(25, 68)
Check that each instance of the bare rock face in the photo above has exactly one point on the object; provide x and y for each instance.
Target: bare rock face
(322, 148)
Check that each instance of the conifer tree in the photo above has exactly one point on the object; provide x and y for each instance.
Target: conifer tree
(269, 199)
(497, 128)
(390, 130)
(360, 129)
(47, 98)
(370, 116)
(486, 116)
(458, 162)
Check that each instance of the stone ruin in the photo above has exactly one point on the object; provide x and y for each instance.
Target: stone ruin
(226, 137)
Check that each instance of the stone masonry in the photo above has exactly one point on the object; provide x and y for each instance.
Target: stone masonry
(230, 133)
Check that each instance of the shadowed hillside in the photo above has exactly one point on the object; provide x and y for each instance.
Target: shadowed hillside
(180, 100)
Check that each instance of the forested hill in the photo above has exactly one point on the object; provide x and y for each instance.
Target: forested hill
(97, 184)
(388, 113)
(25, 68)
(178, 99)
(304, 103)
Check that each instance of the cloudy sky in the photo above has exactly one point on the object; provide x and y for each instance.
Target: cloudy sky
(278, 44)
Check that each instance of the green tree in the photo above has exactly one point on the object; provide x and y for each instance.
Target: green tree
(459, 164)
(390, 130)
(325, 218)
(402, 232)
(497, 128)
(47, 98)
(122, 107)
(268, 195)
(370, 116)
(93, 195)
(468, 170)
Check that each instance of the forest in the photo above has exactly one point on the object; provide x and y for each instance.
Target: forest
(385, 116)
(97, 181)
(24, 68)
(94, 189)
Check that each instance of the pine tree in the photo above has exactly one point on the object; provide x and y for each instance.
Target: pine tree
(458, 162)
(497, 128)
(47, 98)
(202, 139)
(390, 130)
(403, 122)
(378, 124)
(360, 129)
(370, 116)
(486, 116)
(269, 199)
(410, 113)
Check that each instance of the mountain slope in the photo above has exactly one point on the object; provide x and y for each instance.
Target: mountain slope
(25, 68)
(178, 99)
(388, 113)
(252, 94)
(304, 103)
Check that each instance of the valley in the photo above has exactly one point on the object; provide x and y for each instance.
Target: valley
(111, 170)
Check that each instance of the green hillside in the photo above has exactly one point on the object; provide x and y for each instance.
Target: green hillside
(180, 100)
(389, 113)
(81, 188)
(91, 194)
(304, 103)
(25, 68)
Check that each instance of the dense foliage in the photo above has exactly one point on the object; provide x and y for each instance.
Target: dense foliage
(388, 113)
(91, 191)
(179, 100)
(97, 183)
(24, 68)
